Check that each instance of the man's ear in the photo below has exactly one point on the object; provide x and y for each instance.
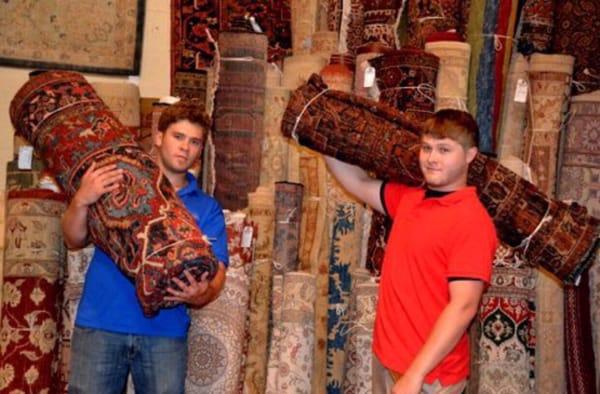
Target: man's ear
(471, 153)
(157, 138)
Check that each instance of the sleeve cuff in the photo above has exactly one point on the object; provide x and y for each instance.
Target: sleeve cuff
(382, 197)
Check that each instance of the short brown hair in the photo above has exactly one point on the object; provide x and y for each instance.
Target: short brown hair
(189, 110)
(454, 124)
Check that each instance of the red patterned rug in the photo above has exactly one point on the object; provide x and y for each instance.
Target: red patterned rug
(143, 226)
(577, 33)
(272, 16)
(29, 345)
(557, 236)
(191, 49)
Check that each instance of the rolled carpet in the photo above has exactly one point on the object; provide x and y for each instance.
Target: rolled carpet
(142, 226)
(558, 236)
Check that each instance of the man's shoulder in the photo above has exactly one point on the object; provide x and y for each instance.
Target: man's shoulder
(476, 217)
(201, 200)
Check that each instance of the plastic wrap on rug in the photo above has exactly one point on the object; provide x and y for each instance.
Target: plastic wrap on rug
(558, 236)
(239, 116)
(142, 226)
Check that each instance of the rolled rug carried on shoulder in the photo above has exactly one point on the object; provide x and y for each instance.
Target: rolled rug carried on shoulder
(562, 238)
(142, 226)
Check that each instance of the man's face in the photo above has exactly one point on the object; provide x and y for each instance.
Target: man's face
(444, 163)
(179, 146)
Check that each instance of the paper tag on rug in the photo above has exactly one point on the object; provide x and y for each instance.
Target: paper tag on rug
(25, 157)
(369, 79)
(521, 91)
(247, 237)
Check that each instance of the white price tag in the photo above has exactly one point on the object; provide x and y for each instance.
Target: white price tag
(247, 236)
(369, 79)
(255, 25)
(134, 79)
(307, 43)
(25, 157)
(521, 91)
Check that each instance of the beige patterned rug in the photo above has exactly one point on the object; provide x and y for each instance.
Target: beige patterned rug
(86, 35)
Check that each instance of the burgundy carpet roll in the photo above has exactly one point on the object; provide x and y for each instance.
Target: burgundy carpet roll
(407, 79)
(557, 236)
(143, 226)
(577, 33)
(380, 22)
(428, 17)
(579, 347)
(239, 116)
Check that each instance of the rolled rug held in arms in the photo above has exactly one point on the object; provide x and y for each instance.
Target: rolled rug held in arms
(142, 226)
(557, 236)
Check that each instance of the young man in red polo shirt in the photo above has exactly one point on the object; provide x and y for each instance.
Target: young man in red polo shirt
(437, 262)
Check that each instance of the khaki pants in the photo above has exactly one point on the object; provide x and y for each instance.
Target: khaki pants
(384, 379)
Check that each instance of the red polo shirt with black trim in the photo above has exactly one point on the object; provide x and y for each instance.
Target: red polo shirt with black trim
(432, 240)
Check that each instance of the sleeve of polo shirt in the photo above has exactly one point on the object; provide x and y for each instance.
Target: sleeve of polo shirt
(391, 193)
(215, 225)
(472, 249)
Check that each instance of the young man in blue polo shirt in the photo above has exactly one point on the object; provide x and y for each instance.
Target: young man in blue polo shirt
(112, 337)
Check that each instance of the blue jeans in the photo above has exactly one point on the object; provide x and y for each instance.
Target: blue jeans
(102, 360)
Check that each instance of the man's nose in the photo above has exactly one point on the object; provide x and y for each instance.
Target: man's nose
(185, 145)
(432, 156)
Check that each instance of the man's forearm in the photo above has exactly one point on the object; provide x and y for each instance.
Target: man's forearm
(217, 283)
(74, 225)
(356, 181)
(447, 331)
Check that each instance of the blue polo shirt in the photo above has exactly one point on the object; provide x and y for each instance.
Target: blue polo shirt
(109, 301)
